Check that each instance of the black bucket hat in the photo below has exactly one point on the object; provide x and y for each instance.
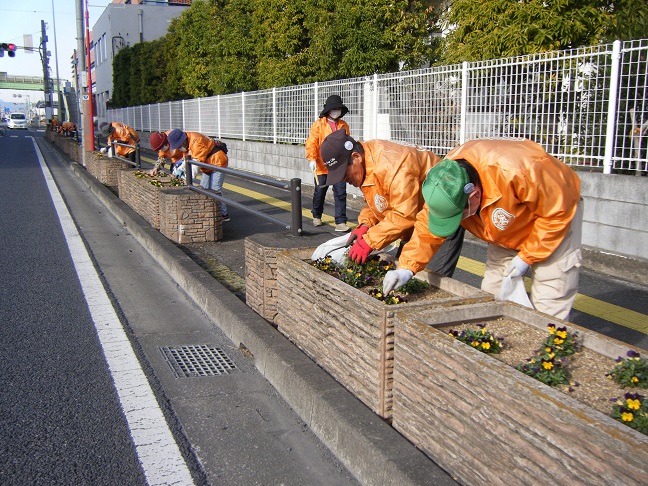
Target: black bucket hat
(333, 102)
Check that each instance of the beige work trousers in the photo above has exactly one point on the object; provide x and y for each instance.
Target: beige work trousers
(554, 282)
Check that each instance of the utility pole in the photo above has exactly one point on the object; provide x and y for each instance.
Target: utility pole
(85, 75)
(47, 82)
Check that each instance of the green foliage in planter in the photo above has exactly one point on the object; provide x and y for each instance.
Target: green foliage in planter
(156, 182)
(549, 363)
(369, 274)
(631, 372)
(632, 410)
(480, 339)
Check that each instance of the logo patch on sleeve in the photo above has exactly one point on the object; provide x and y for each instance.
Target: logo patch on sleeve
(501, 218)
(380, 202)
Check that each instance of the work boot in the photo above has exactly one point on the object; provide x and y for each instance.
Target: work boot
(341, 228)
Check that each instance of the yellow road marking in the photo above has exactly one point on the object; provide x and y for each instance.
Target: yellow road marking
(589, 305)
(583, 303)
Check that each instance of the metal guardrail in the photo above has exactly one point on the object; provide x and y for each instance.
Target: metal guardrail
(138, 157)
(293, 185)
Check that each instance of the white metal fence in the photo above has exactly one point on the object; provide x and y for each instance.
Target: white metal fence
(587, 106)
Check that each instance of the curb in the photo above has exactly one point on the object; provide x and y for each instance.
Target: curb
(369, 447)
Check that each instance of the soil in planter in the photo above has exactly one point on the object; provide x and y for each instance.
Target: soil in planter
(587, 367)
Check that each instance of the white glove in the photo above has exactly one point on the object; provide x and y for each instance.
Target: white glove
(312, 165)
(328, 246)
(178, 169)
(395, 279)
(517, 268)
(103, 150)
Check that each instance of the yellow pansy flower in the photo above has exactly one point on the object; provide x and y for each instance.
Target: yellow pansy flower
(627, 417)
(633, 404)
(486, 345)
(547, 365)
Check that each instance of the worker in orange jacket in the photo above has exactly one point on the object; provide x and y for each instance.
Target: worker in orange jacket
(67, 128)
(121, 133)
(512, 194)
(205, 150)
(160, 144)
(329, 121)
(390, 175)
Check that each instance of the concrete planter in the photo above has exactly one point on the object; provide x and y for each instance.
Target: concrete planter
(142, 196)
(487, 423)
(189, 217)
(105, 169)
(347, 332)
(261, 252)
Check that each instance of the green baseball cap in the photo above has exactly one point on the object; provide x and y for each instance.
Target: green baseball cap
(444, 193)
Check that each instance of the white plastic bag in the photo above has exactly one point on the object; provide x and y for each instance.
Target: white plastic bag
(513, 289)
(328, 247)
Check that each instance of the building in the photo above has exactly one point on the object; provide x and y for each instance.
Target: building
(124, 23)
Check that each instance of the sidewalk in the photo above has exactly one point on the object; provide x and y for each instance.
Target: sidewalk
(370, 448)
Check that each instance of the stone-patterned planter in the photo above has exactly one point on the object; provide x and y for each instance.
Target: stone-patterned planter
(347, 332)
(189, 217)
(105, 169)
(487, 423)
(142, 196)
(261, 270)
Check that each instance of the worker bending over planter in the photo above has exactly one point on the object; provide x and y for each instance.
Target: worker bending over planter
(512, 194)
(390, 175)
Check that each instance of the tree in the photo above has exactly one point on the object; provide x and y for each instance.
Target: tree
(378, 37)
(490, 29)
(280, 42)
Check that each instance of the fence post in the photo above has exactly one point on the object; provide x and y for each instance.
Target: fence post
(375, 106)
(243, 112)
(274, 115)
(183, 116)
(199, 116)
(296, 208)
(464, 102)
(219, 116)
(316, 95)
(138, 157)
(612, 107)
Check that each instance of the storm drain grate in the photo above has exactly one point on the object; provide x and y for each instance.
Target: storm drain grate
(198, 360)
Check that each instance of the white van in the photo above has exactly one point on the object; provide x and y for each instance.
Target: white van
(17, 120)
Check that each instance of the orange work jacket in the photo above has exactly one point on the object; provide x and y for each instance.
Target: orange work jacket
(203, 149)
(394, 174)
(528, 201)
(123, 134)
(319, 130)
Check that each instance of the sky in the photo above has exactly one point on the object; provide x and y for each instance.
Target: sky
(24, 17)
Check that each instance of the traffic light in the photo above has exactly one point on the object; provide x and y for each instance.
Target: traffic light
(10, 48)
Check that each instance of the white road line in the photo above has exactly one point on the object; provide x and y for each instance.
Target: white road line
(156, 448)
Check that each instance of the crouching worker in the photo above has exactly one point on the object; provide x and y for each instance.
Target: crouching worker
(160, 143)
(205, 150)
(512, 194)
(67, 128)
(120, 133)
(390, 177)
